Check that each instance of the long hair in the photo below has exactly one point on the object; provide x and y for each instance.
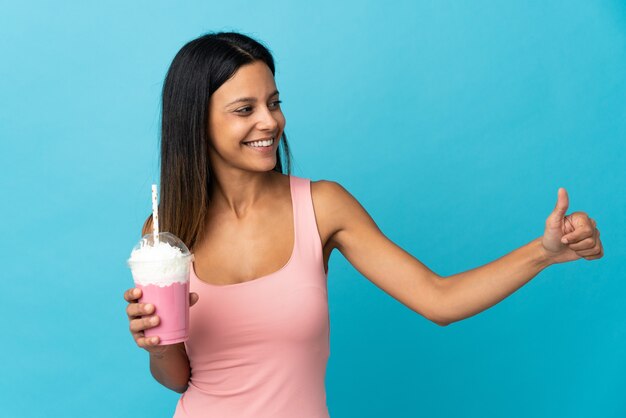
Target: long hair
(197, 71)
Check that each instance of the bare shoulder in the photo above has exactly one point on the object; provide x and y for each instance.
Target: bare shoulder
(337, 210)
(374, 255)
(330, 195)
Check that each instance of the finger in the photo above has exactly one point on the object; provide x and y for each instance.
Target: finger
(147, 342)
(562, 204)
(588, 253)
(579, 234)
(140, 324)
(132, 294)
(585, 244)
(596, 249)
(139, 309)
(193, 298)
(137, 335)
(595, 256)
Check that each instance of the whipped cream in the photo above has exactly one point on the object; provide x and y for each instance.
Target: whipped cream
(160, 265)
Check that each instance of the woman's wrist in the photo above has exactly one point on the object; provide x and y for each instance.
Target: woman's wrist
(166, 350)
(543, 257)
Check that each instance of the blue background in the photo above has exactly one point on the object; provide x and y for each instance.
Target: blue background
(453, 123)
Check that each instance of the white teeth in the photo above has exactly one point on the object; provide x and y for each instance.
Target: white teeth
(261, 143)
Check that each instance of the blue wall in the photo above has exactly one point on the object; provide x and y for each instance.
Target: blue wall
(453, 123)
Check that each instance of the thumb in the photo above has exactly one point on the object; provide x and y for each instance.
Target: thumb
(193, 298)
(562, 204)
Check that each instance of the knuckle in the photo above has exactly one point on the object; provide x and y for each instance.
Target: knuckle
(132, 310)
(135, 325)
(128, 295)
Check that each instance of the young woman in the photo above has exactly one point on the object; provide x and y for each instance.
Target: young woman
(258, 344)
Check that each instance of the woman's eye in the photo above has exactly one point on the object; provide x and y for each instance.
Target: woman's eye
(275, 104)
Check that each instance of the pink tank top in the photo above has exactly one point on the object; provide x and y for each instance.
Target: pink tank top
(260, 348)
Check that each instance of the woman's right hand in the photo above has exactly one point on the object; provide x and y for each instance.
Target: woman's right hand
(141, 318)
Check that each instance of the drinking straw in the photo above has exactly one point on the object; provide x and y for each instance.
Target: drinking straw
(155, 215)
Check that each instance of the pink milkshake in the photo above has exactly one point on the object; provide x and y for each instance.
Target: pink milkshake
(160, 269)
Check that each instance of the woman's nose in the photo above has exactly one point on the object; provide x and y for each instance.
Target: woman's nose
(267, 120)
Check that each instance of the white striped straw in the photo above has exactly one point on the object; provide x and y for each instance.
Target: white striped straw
(155, 215)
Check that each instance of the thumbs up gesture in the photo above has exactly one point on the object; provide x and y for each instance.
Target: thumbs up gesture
(568, 238)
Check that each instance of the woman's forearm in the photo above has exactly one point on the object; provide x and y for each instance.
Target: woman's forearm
(468, 293)
(171, 367)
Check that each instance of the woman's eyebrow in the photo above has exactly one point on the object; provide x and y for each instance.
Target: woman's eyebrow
(250, 99)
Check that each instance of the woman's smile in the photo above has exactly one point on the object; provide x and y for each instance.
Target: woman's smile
(262, 146)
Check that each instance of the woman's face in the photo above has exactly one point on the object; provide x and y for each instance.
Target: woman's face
(245, 108)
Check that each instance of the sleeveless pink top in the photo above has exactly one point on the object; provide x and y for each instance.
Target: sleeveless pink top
(260, 348)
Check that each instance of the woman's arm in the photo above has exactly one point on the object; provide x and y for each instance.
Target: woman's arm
(453, 298)
(170, 367)
(169, 364)
(473, 291)
(355, 234)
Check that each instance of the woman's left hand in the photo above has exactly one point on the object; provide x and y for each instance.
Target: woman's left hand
(571, 237)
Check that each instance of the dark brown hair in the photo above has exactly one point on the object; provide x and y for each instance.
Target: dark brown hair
(197, 71)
